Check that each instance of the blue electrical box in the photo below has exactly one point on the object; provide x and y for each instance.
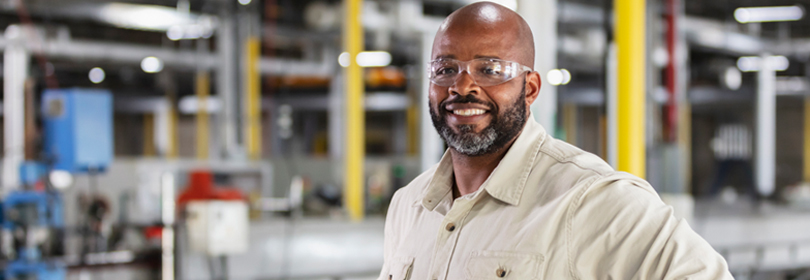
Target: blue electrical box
(78, 136)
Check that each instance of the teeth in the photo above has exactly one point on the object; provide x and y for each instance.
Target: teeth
(469, 112)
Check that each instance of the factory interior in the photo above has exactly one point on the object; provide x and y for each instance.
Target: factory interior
(264, 139)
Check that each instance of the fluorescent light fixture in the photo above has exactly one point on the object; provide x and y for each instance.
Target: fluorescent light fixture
(768, 14)
(151, 64)
(374, 59)
(555, 77)
(96, 75)
(190, 105)
(154, 18)
(367, 59)
(753, 63)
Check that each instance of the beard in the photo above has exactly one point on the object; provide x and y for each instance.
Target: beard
(505, 125)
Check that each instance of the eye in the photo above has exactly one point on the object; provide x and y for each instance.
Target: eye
(445, 71)
(491, 69)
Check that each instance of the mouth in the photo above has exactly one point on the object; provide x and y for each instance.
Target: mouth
(469, 112)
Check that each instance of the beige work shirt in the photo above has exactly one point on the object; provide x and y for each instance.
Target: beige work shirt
(548, 211)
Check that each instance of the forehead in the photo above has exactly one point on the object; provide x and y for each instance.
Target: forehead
(467, 42)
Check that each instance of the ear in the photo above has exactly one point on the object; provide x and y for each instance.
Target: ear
(533, 83)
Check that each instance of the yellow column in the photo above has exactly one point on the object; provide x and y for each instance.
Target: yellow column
(253, 133)
(149, 135)
(806, 172)
(630, 40)
(570, 122)
(355, 115)
(203, 89)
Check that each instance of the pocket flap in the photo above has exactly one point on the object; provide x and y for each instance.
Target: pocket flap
(400, 268)
(503, 265)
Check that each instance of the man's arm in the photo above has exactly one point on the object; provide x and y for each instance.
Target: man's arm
(388, 244)
(619, 228)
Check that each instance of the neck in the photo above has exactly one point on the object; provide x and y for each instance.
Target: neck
(470, 172)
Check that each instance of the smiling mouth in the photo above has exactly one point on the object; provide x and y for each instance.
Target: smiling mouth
(469, 112)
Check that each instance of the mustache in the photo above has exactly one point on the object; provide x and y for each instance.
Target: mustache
(466, 99)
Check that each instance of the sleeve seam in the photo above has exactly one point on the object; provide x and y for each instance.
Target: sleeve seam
(570, 221)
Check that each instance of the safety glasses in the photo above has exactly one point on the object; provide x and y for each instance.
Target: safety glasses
(484, 71)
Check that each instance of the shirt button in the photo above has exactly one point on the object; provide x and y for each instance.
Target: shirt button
(450, 227)
(500, 273)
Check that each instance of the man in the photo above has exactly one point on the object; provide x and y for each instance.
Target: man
(509, 201)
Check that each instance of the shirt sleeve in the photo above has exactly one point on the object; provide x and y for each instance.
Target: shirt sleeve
(620, 229)
(389, 239)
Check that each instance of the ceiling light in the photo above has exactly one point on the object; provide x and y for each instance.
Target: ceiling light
(343, 59)
(244, 2)
(151, 64)
(367, 59)
(374, 59)
(96, 75)
(768, 14)
(153, 17)
(753, 63)
(555, 77)
(566, 76)
(732, 78)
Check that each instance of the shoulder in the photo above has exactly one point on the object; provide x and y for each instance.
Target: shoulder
(561, 168)
(567, 156)
(408, 194)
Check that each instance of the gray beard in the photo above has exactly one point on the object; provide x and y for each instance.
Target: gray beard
(503, 128)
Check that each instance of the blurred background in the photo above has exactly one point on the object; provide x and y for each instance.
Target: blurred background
(263, 139)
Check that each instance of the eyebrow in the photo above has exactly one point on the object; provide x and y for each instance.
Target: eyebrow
(450, 56)
(487, 56)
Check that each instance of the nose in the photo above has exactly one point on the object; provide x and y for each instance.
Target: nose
(464, 85)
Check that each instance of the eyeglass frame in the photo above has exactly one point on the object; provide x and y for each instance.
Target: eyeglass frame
(465, 65)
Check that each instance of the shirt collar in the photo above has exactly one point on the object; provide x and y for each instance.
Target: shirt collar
(507, 181)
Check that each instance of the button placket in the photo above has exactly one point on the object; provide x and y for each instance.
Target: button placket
(449, 237)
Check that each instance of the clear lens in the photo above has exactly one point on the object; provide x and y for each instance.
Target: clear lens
(485, 72)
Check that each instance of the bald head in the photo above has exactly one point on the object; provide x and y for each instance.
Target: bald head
(483, 26)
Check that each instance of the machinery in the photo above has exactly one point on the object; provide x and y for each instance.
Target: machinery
(77, 139)
(33, 228)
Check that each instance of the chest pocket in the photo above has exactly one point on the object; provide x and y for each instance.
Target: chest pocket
(401, 268)
(497, 265)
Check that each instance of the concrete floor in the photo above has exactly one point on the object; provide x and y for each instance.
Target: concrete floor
(756, 237)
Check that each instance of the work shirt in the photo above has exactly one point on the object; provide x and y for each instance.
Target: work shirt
(548, 211)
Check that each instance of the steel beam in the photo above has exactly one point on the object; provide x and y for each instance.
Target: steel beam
(15, 70)
(765, 164)
(542, 19)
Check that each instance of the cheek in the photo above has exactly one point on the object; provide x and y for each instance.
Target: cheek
(437, 95)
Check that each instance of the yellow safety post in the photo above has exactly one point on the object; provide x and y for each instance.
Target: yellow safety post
(412, 119)
(203, 88)
(630, 41)
(570, 122)
(354, 190)
(149, 134)
(806, 172)
(253, 102)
